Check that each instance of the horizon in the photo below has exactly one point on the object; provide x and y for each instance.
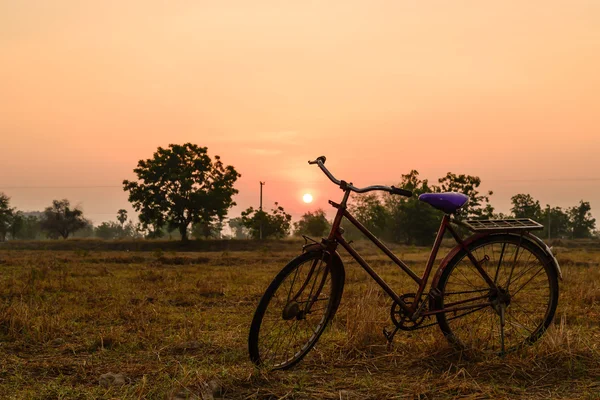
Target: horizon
(506, 92)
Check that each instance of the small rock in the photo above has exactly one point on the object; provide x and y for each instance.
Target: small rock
(110, 379)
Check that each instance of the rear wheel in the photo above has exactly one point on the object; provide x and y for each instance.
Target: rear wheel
(294, 310)
(487, 320)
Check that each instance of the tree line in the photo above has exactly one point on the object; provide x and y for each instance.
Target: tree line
(182, 192)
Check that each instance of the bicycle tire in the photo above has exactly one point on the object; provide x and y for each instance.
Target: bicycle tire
(262, 356)
(470, 333)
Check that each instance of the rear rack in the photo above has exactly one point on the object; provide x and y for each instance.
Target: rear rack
(488, 225)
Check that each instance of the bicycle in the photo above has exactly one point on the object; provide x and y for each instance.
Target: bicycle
(494, 292)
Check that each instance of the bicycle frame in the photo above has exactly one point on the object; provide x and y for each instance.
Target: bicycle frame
(414, 310)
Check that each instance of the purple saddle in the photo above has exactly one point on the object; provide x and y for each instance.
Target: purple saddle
(446, 202)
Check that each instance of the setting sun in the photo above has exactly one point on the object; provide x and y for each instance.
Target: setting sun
(307, 198)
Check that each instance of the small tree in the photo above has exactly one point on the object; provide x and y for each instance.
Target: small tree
(29, 226)
(411, 220)
(59, 220)
(17, 224)
(274, 225)
(524, 206)
(556, 223)
(312, 224)
(180, 186)
(122, 216)
(581, 223)
(208, 230)
(6, 216)
(369, 210)
(109, 230)
(238, 229)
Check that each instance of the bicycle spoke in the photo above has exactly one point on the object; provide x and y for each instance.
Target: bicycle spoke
(499, 262)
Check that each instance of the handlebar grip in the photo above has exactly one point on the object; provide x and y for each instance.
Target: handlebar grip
(401, 192)
(322, 159)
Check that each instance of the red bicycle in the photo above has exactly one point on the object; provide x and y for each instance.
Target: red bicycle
(494, 292)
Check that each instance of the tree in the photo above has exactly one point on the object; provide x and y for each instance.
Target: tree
(109, 230)
(238, 229)
(87, 231)
(411, 220)
(122, 216)
(478, 205)
(556, 223)
(208, 230)
(28, 226)
(581, 223)
(312, 224)
(179, 186)
(369, 211)
(60, 220)
(274, 225)
(17, 224)
(524, 206)
(6, 216)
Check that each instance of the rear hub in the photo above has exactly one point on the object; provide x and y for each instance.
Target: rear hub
(292, 310)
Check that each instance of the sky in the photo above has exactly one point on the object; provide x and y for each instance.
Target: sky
(508, 91)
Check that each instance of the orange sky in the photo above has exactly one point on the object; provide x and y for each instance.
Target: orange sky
(508, 91)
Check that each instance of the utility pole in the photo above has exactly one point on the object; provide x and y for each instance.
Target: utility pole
(260, 207)
(549, 221)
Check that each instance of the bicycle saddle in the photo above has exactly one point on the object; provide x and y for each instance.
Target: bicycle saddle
(446, 202)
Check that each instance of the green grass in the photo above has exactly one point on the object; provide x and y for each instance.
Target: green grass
(176, 324)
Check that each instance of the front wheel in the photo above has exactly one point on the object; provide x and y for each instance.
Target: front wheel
(294, 310)
(500, 320)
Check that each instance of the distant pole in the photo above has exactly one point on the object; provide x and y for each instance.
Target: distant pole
(260, 207)
(549, 222)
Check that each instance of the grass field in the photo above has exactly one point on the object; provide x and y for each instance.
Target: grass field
(175, 325)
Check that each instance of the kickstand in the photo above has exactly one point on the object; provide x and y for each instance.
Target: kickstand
(389, 335)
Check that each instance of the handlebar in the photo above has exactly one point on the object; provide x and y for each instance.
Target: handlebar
(320, 161)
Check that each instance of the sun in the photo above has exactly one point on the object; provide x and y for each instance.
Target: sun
(307, 198)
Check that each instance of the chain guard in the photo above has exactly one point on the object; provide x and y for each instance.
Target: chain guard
(399, 317)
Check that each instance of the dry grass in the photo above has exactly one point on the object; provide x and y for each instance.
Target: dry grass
(175, 324)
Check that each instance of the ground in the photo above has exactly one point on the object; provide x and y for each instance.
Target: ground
(175, 325)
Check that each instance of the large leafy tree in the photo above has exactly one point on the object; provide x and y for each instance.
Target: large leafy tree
(6, 216)
(312, 224)
(179, 186)
(60, 220)
(273, 225)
